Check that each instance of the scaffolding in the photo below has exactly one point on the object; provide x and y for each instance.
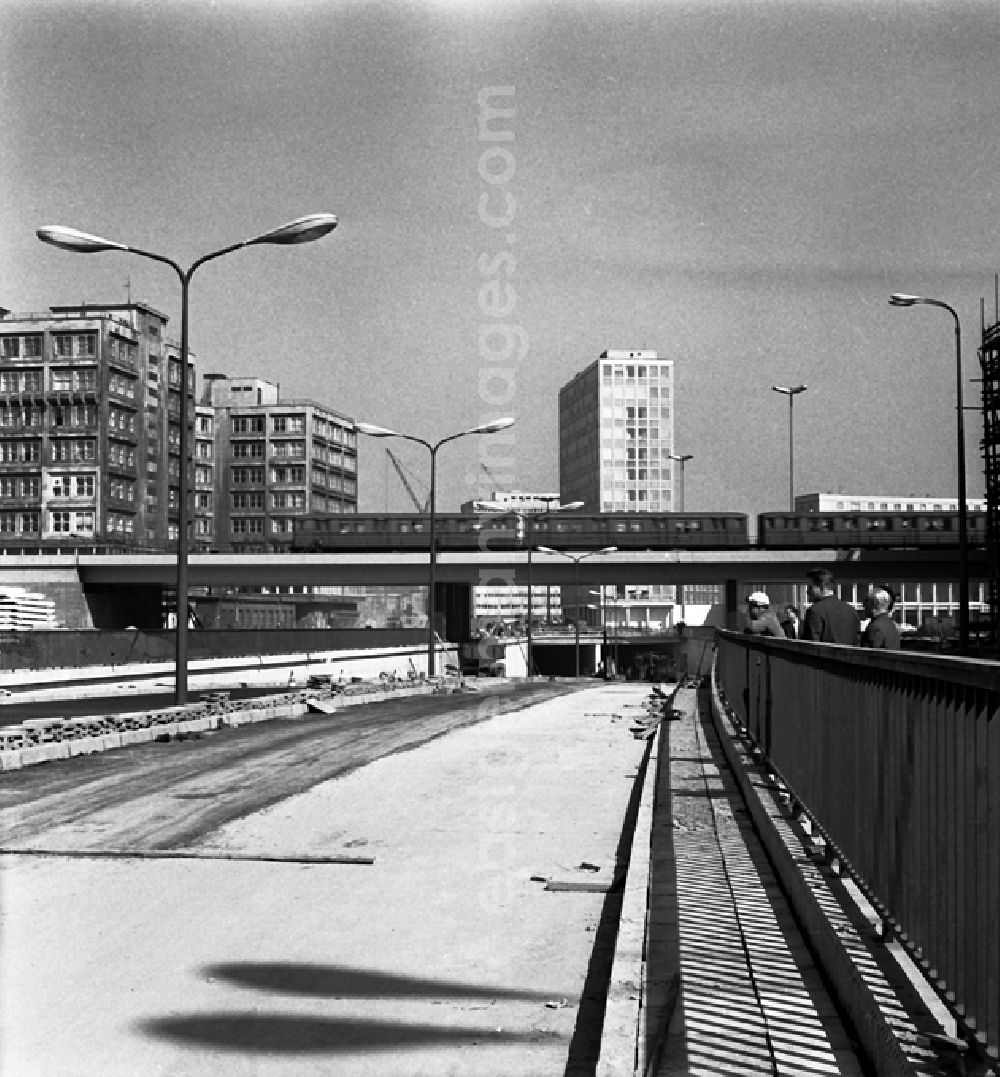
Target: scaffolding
(989, 361)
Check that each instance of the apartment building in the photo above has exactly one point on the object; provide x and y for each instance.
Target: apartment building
(270, 462)
(89, 427)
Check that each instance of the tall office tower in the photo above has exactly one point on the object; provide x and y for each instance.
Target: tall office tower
(89, 427)
(274, 461)
(616, 433)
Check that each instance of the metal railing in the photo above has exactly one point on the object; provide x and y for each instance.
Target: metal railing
(896, 758)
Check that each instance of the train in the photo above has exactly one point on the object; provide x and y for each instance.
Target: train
(374, 532)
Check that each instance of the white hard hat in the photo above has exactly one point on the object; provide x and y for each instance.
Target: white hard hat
(759, 598)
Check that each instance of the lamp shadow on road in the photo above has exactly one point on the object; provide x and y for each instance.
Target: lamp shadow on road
(291, 1033)
(344, 981)
(299, 1034)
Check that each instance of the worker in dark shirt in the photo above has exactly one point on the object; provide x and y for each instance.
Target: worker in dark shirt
(829, 619)
(881, 630)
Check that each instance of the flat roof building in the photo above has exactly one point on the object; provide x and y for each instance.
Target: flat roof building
(89, 427)
(616, 434)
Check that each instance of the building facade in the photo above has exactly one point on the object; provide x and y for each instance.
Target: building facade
(272, 461)
(90, 406)
(497, 604)
(616, 437)
(616, 434)
(820, 502)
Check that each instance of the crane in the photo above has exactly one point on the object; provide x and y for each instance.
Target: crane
(404, 479)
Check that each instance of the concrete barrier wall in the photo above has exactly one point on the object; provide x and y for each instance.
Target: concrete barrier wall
(54, 649)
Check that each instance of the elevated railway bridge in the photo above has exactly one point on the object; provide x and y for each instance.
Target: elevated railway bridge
(112, 591)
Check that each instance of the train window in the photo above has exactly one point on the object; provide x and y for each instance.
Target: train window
(821, 523)
(620, 526)
(404, 527)
(635, 525)
(418, 525)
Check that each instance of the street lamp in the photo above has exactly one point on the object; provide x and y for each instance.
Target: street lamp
(527, 520)
(901, 299)
(791, 391)
(603, 613)
(301, 230)
(682, 460)
(576, 559)
(382, 432)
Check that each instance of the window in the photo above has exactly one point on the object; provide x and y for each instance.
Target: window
(19, 452)
(72, 485)
(121, 490)
(254, 526)
(19, 523)
(288, 475)
(19, 486)
(248, 476)
(80, 345)
(248, 424)
(243, 450)
(72, 450)
(248, 501)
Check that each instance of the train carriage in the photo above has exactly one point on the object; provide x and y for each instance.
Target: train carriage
(879, 530)
(568, 531)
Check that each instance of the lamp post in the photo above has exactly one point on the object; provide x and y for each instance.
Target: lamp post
(682, 460)
(901, 299)
(576, 559)
(604, 630)
(791, 391)
(526, 521)
(382, 432)
(301, 230)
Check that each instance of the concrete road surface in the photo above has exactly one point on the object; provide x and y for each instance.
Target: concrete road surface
(443, 954)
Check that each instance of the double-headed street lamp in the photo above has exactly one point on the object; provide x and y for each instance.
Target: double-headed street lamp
(301, 230)
(901, 299)
(526, 521)
(682, 460)
(382, 432)
(576, 558)
(791, 391)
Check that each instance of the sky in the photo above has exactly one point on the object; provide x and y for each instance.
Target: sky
(738, 186)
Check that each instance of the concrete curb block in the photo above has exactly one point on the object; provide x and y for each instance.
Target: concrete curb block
(839, 936)
(622, 1042)
(87, 736)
